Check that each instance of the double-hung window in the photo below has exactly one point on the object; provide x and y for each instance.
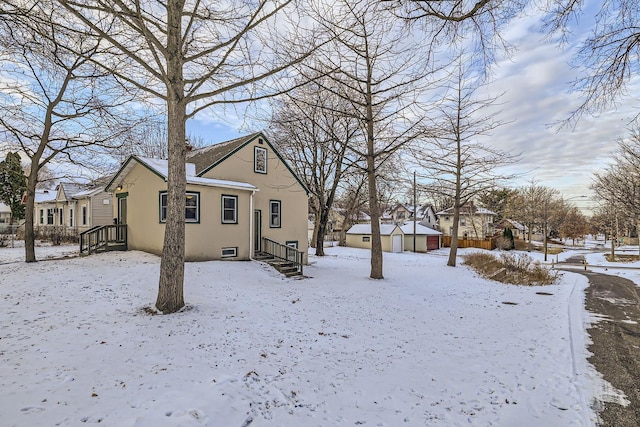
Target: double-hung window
(192, 207)
(275, 213)
(229, 209)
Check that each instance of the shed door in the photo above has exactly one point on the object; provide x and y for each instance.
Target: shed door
(432, 243)
(396, 243)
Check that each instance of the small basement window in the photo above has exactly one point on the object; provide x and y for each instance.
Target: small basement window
(366, 238)
(229, 252)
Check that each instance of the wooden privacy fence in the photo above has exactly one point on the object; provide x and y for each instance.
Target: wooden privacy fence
(488, 244)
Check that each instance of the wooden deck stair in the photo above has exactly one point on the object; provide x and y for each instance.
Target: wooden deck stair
(285, 259)
(103, 238)
(287, 268)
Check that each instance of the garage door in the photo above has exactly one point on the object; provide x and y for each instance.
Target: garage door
(432, 242)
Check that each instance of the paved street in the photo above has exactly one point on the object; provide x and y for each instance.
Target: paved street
(616, 341)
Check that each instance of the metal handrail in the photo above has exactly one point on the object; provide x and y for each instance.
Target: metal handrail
(283, 252)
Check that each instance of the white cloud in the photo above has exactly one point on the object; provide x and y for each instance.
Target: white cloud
(537, 82)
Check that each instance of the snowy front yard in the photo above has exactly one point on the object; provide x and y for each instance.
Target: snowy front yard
(428, 346)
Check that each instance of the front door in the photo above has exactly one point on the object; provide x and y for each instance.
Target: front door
(122, 210)
(257, 233)
(122, 218)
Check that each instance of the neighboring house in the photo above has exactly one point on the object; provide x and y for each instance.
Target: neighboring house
(44, 208)
(399, 214)
(391, 236)
(5, 213)
(518, 230)
(402, 213)
(75, 207)
(237, 193)
(337, 218)
(427, 239)
(428, 217)
(310, 228)
(475, 222)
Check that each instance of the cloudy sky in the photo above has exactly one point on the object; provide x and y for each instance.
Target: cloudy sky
(536, 81)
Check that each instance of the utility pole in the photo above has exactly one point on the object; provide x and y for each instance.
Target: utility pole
(415, 211)
(545, 229)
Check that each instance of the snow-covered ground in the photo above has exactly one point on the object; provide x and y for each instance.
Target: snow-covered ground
(429, 345)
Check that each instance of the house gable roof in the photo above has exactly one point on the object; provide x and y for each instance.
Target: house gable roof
(160, 168)
(66, 190)
(207, 158)
(468, 209)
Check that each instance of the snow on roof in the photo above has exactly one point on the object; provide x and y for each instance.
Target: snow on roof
(420, 229)
(161, 167)
(385, 229)
(44, 196)
(516, 224)
(210, 182)
(468, 209)
(87, 193)
(71, 188)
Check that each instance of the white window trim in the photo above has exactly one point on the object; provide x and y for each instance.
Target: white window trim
(272, 224)
(257, 150)
(230, 252)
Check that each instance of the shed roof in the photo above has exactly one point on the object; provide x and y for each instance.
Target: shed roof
(385, 229)
(421, 230)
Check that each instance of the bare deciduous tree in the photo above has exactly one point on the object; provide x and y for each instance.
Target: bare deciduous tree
(150, 140)
(609, 56)
(537, 207)
(381, 77)
(574, 224)
(455, 163)
(313, 133)
(618, 186)
(56, 102)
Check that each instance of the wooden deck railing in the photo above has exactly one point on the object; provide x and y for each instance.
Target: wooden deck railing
(104, 238)
(283, 252)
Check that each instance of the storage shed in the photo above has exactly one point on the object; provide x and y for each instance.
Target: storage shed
(359, 236)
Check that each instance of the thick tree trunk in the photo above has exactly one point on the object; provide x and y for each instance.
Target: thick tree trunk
(323, 215)
(32, 183)
(376, 243)
(321, 229)
(29, 233)
(453, 251)
(171, 287)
